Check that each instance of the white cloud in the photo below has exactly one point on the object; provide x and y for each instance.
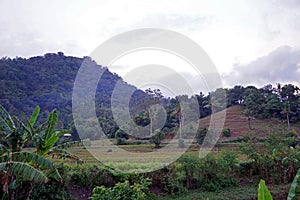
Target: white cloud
(279, 66)
(229, 31)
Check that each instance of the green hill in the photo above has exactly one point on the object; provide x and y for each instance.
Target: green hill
(48, 81)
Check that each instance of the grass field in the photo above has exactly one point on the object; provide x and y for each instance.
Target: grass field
(145, 153)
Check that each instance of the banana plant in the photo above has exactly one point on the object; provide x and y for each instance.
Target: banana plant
(15, 164)
(294, 193)
(263, 192)
(46, 135)
(14, 134)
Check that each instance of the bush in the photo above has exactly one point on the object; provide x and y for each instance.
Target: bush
(50, 190)
(124, 191)
(157, 138)
(210, 173)
(121, 134)
(226, 132)
(134, 143)
(201, 133)
(121, 141)
(86, 175)
(172, 185)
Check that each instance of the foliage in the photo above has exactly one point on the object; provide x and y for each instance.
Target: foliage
(121, 134)
(50, 190)
(17, 167)
(226, 132)
(48, 81)
(172, 185)
(210, 173)
(201, 133)
(46, 136)
(123, 191)
(263, 192)
(157, 138)
(274, 160)
(121, 141)
(121, 137)
(295, 188)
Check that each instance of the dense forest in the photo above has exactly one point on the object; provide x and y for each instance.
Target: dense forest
(48, 81)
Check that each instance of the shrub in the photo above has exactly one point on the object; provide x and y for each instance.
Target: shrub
(172, 185)
(201, 133)
(226, 132)
(124, 191)
(50, 190)
(157, 138)
(210, 173)
(121, 141)
(121, 134)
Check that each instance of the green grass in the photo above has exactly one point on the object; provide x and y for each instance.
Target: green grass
(245, 192)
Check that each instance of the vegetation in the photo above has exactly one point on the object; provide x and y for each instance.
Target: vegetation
(157, 138)
(20, 169)
(31, 148)
(137, 191)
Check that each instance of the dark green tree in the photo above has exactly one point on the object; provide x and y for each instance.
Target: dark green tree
(157, 138)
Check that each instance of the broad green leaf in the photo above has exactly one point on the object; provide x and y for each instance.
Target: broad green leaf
(263, 192)
(24, 170)
(295, 188)
(6, 116)
(52, 119)
(34, 116)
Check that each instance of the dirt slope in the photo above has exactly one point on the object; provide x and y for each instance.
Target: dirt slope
(238, 123)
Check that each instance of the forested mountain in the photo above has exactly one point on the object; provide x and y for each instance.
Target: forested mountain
(48, 81)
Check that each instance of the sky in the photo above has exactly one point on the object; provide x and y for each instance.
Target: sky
(251, 42)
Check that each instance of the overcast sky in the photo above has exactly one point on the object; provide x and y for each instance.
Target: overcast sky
(250, 42)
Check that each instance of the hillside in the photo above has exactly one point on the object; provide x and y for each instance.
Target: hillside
(48, 81)
(239, 125)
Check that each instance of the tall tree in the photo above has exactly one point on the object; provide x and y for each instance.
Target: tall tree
(152, 98)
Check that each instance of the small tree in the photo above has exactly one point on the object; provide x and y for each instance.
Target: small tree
(226, 132)
(201, 133)
(157, 138)
(121, 134)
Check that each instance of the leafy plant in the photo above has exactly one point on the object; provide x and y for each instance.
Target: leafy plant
(226, 132)
(121, 141)
(294, 192)
(17, 166)
(201, 133)
(123, 191)
(263, 192)
(46, 137)
(157, 138)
